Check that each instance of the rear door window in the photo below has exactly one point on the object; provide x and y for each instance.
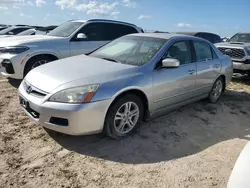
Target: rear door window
(203, 51)
(217, 39)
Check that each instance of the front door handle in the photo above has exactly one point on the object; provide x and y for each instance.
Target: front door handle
(191, 71)
(216, 66)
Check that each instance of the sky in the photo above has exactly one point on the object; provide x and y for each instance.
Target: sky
(223, 17)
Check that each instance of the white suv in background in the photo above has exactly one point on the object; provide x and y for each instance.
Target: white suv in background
(18, 55)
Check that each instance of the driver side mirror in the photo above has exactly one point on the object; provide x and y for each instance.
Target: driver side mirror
(81, 36)
(10, 33)
(170, 63)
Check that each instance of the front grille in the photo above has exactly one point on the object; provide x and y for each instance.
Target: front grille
(245, 62)
(33, 91)
(37, 93)
(235, 53)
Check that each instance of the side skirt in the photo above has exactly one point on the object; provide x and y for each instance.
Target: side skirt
(169, 109)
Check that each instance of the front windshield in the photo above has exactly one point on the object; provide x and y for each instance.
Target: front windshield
(132, 50)
(241, 37)
(5, 31)
(65, 30)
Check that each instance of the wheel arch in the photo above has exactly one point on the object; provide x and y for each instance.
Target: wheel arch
(133, 91)
(224, 81)
(31, 57)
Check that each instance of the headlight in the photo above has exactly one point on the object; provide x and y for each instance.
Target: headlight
(82, 94)
(13, 49)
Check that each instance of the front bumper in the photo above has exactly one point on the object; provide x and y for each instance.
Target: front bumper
(16, 66)
(241, 66)
(72, 119)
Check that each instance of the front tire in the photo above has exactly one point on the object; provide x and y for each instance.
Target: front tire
(123, 117)
(216, 91)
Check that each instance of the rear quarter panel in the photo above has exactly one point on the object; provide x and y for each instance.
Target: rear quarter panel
(227, 68)
(226, 65)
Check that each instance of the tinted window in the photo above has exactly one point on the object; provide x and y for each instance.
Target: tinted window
(210, 37)
(17, 30)
(181, 51)
(94, 31)
(217, 39)
(205, 36)
(203, 51)
(124, 30)
(106, 31)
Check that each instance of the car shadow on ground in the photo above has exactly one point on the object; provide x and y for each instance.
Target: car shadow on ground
(185, 132)
(240, 78)
(14, 82)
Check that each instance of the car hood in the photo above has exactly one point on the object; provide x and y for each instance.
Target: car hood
(22, 40)
(76, 71)
(232, 44)
(3, 36)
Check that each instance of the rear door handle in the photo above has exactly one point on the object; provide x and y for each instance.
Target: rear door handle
(191, 71)
(216, 66)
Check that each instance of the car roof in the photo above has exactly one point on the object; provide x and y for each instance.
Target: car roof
(194, 33)
(82, 21)
(14, 26)
(187, 33)
(159, 35)
(103, 20)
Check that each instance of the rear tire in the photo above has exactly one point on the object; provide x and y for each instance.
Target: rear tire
(36, 62)
(216, 91)
(123, 117)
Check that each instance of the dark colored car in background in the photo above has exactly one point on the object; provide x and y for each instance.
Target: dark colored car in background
(213, 38)
(2, 27)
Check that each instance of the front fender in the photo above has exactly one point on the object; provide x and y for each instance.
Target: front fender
(113, 89)
(30, 55)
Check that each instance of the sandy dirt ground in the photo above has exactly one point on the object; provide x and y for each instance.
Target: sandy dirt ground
(195, 146)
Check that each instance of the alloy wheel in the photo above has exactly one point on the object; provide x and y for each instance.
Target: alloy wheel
(38, 63)
(126, 117)
(217, 89)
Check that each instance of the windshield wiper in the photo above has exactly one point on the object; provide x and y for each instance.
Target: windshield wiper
(110, 59)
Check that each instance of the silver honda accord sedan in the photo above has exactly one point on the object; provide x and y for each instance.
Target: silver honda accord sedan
(119, 85)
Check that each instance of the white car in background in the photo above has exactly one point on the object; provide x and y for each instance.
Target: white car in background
(14, 30)
(26, 32)
(241, 171)
(18, 55)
